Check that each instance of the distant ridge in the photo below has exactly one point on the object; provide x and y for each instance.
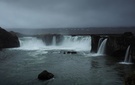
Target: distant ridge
(86, 30)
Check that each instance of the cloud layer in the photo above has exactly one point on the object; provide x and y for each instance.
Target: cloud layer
(66, 13)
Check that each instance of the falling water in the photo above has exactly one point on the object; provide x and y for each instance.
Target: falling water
(127, 59)
(77, 43)
(54, 41)
(100, 41)
(31, 43)
(101, 49)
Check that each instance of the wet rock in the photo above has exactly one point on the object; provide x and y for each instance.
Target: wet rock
(8, 40)
(130, 79)
(94, 43)
(118, 53)
(0, 45)
(112, 45)
(116, 44)
(68, 52)
(71, 52)
(45, 75)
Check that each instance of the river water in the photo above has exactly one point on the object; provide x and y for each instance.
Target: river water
(21, 66)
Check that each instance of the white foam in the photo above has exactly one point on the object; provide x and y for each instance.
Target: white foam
(127, 63)
(31, 43)
(77, 43)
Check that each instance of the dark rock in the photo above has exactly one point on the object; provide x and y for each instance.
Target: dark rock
(8, 40)
(45, 75)
(113, 47)
(118, 53)
(48, 38)
(130, 79)
(94, 43)
(71, 52)
(68, 52)
(117, 44)
(1, 46)
(64, 52)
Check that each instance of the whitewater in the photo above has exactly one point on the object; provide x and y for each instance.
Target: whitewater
(76, 43)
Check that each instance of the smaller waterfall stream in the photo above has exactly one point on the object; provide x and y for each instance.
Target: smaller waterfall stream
(127, 59)
(100, 41)
(101, 49)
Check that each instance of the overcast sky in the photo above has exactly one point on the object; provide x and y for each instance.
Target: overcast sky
(66, 13)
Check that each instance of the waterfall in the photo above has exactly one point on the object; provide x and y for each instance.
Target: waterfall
(54, 41)
(77, 43)
(99, 43)
(127, 56)
(101, 49)
(31, 43)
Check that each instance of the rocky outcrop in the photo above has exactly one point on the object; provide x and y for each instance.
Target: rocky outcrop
(48, 38)
(45, 75)
(94, 43)
(68, 52)
(116, 44)
(130, 79)
(8, 40)
(113, 46)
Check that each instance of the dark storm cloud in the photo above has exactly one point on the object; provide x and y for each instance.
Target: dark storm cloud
(66, 13)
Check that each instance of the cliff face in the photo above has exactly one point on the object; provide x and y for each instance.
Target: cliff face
(8, 40)
(116, 44)
(94, 43)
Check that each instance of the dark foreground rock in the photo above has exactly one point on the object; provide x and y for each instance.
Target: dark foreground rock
(8, 40)
(130, 79)
(45, 75)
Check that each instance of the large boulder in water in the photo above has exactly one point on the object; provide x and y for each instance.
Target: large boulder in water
(8, 40)
(45, 75)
